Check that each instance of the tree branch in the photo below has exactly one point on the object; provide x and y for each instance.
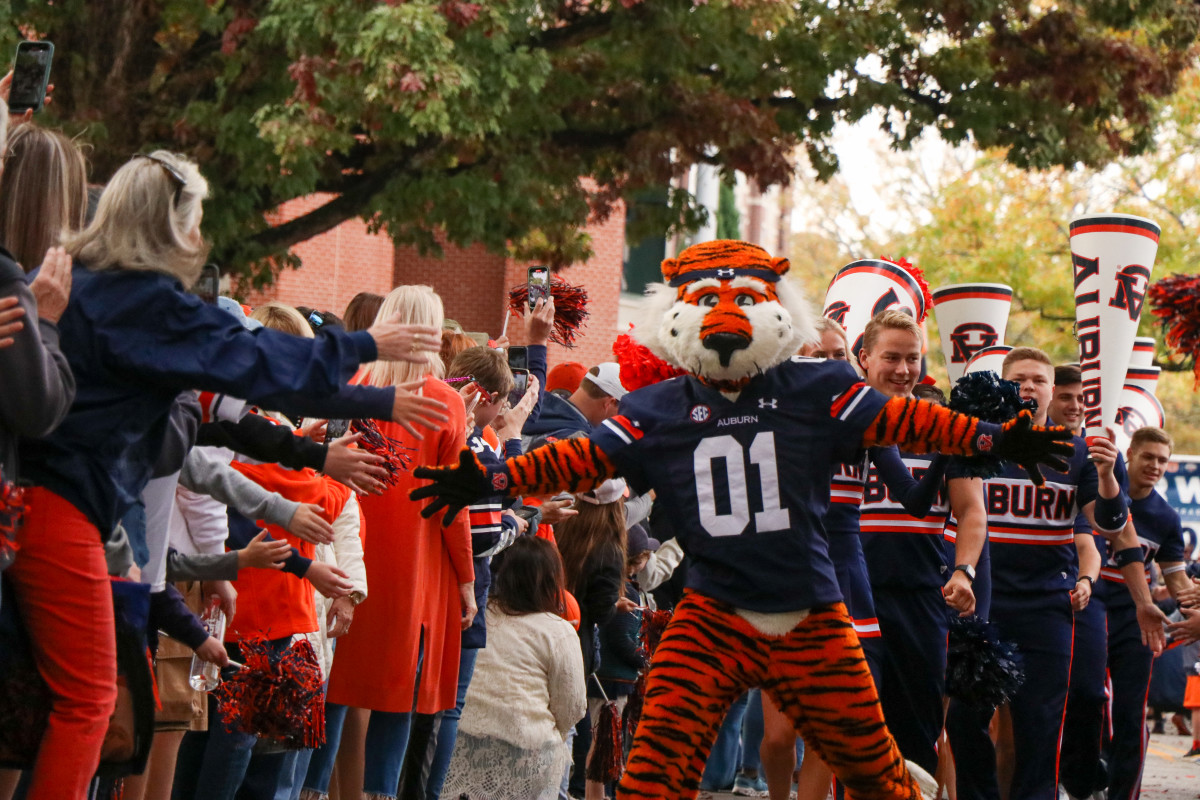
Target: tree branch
(576, 33)
(355, 195)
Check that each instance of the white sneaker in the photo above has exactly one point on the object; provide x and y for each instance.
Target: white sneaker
(925, 781)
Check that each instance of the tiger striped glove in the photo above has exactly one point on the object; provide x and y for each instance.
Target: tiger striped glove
(455, 488)
(1026, 445)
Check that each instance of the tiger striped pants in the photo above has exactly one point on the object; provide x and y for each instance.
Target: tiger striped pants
(815, 674)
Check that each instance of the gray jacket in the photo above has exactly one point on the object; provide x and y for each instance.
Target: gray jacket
(36, 385)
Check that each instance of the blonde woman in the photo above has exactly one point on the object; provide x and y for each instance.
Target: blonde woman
(401, 656)
(134, 339)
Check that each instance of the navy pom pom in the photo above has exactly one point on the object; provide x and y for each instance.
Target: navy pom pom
(981, 670)
(990, 398)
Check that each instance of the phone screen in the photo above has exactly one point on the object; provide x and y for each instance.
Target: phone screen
(336, 429)
(31, 73)
(208, 286)
(520, 384)
(518, 358)
(539, 285)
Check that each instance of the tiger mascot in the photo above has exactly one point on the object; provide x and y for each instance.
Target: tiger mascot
(739, 451)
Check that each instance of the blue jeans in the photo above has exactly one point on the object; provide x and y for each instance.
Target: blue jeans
(752, 732)
(291, 785)
(723, 759)
(387, 742)
(320, 764)
(445, 731)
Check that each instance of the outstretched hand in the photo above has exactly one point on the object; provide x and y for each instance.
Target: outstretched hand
(455, 488)
(1029, 445)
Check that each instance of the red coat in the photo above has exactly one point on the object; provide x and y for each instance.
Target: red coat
(414, 567)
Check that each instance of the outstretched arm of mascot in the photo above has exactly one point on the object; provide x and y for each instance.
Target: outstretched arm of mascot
(577, 465)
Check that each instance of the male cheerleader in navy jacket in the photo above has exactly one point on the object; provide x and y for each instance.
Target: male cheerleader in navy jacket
(906, 559)
(1129, 660)
(1031, 530)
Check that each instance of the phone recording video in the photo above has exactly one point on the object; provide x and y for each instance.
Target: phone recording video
(520, 384)
(539, 285)
(336, 429)
(31, 76)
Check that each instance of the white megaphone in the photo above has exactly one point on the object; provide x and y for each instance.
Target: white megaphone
(1112, 256)
(1143, 377)
(1143, 352)
(862, 289)
(1137, 409)
(989, 358)
(970, 317)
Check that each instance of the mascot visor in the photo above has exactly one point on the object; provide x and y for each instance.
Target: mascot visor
(725, 273)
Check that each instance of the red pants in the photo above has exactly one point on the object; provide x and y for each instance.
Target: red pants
(61, 582)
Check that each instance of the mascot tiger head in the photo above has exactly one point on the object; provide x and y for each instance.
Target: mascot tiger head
(725, 314)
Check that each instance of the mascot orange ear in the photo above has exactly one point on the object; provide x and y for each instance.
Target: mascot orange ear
(779, 265)
(670, 268)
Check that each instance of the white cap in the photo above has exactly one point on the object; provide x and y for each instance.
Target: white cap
(608, 379)
(610, 491)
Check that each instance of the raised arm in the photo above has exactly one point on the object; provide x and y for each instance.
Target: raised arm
(920, 427)
(568, 465)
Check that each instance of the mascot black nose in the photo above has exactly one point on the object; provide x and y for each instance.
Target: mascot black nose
(725, 344)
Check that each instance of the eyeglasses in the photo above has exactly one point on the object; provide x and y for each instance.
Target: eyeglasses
(174, 174)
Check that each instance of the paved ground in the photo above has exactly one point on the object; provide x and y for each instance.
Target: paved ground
(1169, 776)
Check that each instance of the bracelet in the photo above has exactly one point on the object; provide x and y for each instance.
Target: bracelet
(1130, 555)
(1089, 579)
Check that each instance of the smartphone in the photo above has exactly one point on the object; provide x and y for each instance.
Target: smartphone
(31, 76)
(521, 383)
(539, 285)
(336, 429)
(518, 357)
(208, 285)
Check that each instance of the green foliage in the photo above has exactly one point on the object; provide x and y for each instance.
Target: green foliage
(514, 123)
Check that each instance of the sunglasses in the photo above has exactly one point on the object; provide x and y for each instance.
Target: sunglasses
(175, 175)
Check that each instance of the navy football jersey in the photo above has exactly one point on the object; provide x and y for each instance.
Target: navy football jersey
(746, 482)
(845, 497)
(1031, 529)
(1161, 535)
(902, 550)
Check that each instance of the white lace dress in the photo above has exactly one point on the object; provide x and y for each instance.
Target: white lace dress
(527, 692)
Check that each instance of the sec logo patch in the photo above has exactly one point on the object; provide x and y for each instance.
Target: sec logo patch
(700, 413)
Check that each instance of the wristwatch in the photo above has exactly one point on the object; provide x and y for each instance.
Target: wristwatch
(968, 570)
(357, 597)
(1091, 581)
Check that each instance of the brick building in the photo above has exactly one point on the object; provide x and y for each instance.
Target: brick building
(472, 282)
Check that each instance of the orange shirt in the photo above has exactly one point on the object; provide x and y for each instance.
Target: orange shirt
(273, 603)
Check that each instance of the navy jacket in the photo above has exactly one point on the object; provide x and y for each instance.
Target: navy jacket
(558, 419)
(134, 340)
